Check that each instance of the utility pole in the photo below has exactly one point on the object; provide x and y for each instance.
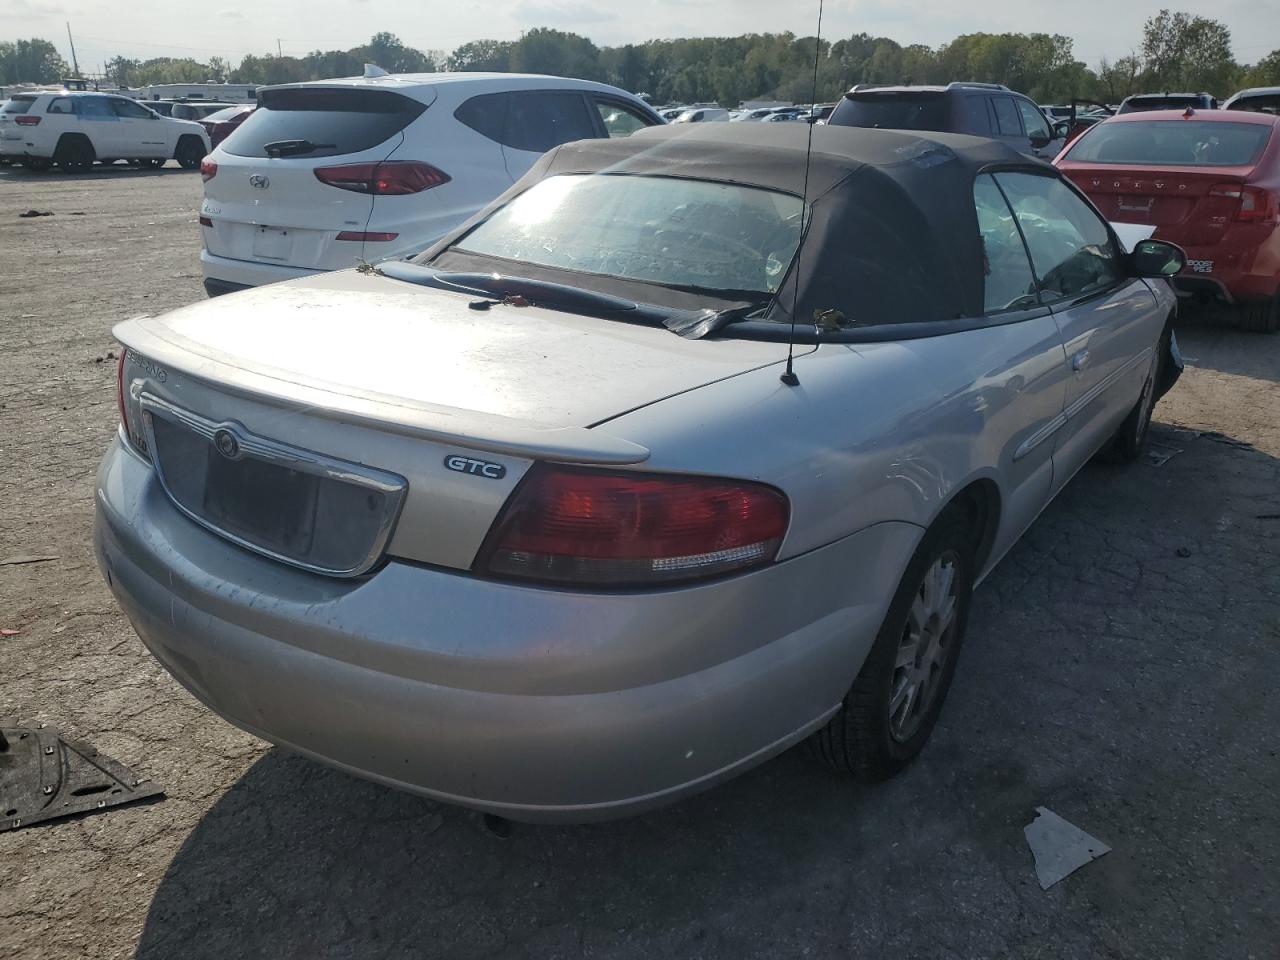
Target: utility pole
(279, 55)
(74, 63)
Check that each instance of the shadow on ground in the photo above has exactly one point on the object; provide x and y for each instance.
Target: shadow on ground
(1118, 670)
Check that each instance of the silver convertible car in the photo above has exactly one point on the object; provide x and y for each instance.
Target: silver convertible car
(691, 446)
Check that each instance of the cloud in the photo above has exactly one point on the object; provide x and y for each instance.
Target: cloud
(231, 15)
(568, 14)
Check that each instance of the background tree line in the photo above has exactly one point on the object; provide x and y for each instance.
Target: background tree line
(1177, 51)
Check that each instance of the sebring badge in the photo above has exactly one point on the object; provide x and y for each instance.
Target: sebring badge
(259, 180)
(476, 468)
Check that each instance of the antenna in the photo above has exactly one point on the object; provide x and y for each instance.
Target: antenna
(75, 64)
(789, 375)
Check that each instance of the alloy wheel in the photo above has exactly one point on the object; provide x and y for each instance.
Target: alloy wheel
(925, 647)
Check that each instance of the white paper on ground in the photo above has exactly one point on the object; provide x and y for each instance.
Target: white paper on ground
(1059, 848)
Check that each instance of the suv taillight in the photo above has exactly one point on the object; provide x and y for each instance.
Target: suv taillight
(579, 525)
(389, 178)
(26, 120)
(1257, 204)
(208, 169)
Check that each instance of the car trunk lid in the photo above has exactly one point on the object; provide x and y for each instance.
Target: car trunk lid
(1192, 206)
(371, 415)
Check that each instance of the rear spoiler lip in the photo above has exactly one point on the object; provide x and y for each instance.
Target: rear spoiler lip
(437, 423)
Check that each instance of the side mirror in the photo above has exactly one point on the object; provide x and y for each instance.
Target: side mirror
(1039, 142)
(1156, 258)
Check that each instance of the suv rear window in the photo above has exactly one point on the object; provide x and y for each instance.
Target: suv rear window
(1140, 104)
(336, 121)
(18, 104)
(1180, 143)
(893, 111)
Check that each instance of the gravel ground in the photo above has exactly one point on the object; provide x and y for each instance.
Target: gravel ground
(1107, 676)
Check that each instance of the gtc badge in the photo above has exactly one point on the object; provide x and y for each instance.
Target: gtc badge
(475, 468)
(259, 180)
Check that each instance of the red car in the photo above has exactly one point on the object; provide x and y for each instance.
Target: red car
(219, 125)
(1209, 181)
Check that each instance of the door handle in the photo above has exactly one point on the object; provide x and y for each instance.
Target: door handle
(1080, 360)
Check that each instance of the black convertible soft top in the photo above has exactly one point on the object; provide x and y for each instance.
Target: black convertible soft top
(893, 234)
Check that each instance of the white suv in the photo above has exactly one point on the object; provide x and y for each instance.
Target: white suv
(325, 174)
(73, 129)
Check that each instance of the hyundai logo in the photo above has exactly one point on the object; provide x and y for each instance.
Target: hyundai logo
(225, 442)
(259, 180)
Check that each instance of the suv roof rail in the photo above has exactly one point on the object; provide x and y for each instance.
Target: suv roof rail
(966, 84)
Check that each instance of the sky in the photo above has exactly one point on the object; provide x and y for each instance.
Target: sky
(232, 28)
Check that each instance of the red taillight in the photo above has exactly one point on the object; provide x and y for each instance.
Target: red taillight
(25, 120)
(371, 237)
(606, 528)
(208, 169)
(1257, 204)
(131, 431)
(206, 221)
(390, 178)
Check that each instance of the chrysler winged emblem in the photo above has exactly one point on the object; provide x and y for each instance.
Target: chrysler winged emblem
(259, 180)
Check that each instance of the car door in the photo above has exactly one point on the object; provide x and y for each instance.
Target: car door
(1107, 319)
(141, 132)
(97, 121)
(1006, 124)
(538, 120)
(1040, 137)
(1010, 295)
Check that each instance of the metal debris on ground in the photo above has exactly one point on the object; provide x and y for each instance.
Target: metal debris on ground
(28, 558)
(1059, 848)
(6, 632)
(44, 777)
(1158, 454)
(37, 213)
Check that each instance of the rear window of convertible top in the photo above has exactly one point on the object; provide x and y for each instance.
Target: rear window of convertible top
(338, 121)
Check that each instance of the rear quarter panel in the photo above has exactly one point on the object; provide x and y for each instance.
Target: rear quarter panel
(876, 432)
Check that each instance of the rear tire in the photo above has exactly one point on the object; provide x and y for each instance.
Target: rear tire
(888, 714)
(1260, 316)
(74, 154)
(189, 153)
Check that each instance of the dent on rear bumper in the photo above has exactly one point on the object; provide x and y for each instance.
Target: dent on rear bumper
(534, 703)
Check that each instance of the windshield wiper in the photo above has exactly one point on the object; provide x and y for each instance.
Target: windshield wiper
(691, 324)
(294, 148)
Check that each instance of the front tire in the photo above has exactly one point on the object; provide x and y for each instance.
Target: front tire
(189, 153)
(888, 714)
(1130, 440)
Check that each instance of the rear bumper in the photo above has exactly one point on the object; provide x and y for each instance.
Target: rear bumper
(532, 703)
(1231, 274)
(223, 275)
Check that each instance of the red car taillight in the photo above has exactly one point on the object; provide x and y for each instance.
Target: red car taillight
(577, 525)
(1257, 204)
(208, 169)
(25, 120)
(389, 178)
